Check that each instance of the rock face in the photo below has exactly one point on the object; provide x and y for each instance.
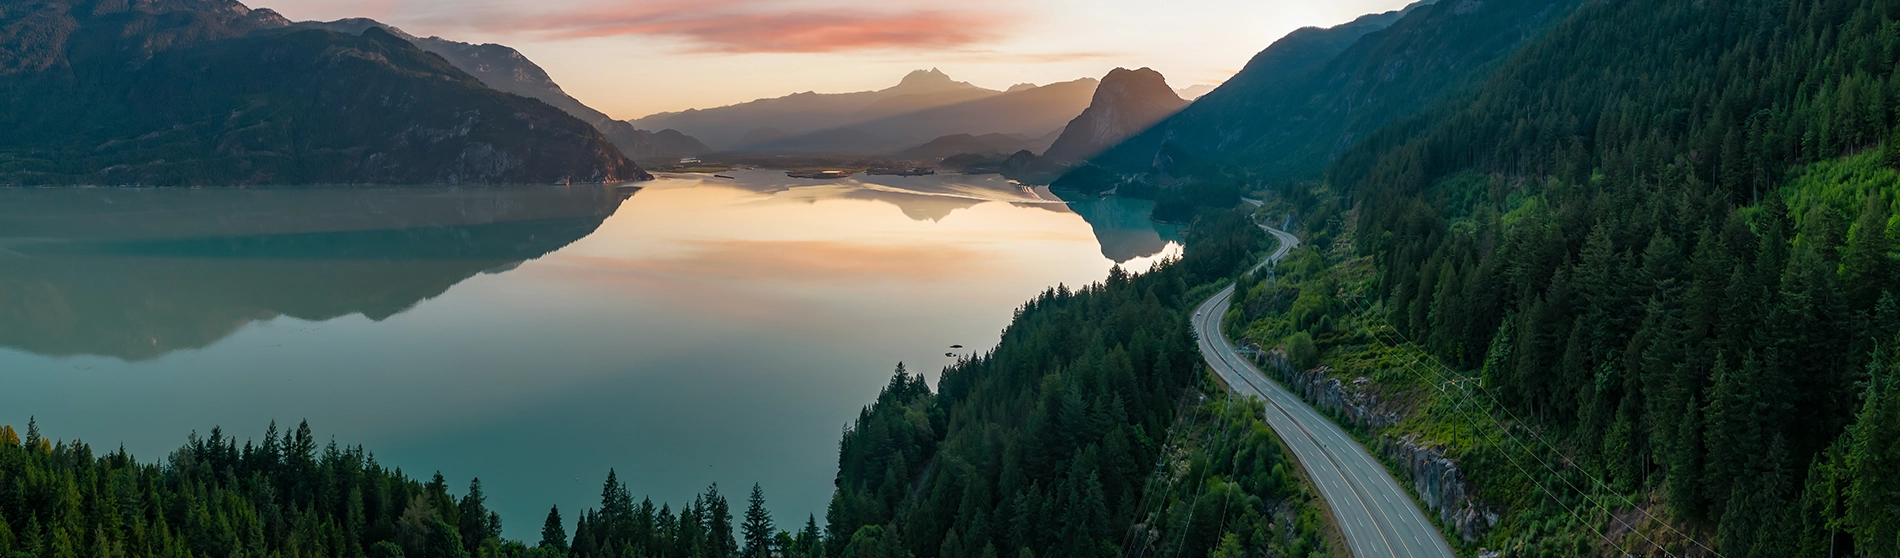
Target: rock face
(1435, 478)
(507, 70)
(212, 93)
(1127, 102)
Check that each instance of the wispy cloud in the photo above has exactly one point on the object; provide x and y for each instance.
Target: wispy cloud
(751, 26)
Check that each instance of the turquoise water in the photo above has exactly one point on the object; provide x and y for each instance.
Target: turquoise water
(690, 331)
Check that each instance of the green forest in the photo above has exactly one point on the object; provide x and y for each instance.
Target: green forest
(1093, 414)
(1043, 447)
(287, 497)
(1639, 278)
(1672, 259)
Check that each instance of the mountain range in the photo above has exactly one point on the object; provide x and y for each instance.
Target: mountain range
(211, 92)
(924, 106)
(994, 144)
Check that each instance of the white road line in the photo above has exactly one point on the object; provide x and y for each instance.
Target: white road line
(1322, 447)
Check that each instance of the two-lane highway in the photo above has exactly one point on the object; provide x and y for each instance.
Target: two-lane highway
(1374, 512)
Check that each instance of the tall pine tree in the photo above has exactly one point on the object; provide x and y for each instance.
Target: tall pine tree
(553, 534)
(758, 529)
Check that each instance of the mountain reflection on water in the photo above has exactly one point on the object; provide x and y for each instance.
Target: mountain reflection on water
(702, 330)
(1121, 225)
(135, 274)
(1123, 228)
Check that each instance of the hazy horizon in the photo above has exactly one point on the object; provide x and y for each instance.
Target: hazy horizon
(719, 52)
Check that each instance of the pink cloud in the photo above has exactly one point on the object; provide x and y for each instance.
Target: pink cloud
(743, 26)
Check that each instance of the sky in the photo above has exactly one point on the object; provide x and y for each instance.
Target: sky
(632, 58)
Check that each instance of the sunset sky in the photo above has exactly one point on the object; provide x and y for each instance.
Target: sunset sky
(633, 58)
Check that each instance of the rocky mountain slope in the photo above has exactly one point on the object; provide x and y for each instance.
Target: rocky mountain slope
(211, 92)
(1126, 103)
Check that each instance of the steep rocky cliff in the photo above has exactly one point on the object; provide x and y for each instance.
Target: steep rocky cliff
(1435, 478)
(1126, 102)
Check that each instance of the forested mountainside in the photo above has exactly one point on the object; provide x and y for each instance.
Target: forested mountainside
(1043, 447)
(209, 92)
(1659, 238)
(1317, 91)
(507, 70)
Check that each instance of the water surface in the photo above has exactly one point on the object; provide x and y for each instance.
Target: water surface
(697, 330)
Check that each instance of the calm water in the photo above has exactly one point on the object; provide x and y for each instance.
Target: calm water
(696, 330)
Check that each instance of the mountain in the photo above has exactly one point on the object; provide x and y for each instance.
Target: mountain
(726, 127)
(956, 144)
(1195, 91)
(507, 70)
(1297, 104)
(1126, 103)
(210, 92)
(1661, 236)
(1031, 112)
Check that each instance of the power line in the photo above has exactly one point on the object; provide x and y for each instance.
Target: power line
(1520, 445)
(1461, 381)
(1366, 311)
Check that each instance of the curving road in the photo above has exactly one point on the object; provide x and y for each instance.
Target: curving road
(1374, 513)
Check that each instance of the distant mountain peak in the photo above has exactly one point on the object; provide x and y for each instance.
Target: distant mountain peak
(1195, 91)
(930, 80)
(932, 74)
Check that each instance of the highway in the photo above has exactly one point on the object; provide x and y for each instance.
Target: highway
(1373, 511)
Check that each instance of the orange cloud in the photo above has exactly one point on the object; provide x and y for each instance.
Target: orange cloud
(740, 26)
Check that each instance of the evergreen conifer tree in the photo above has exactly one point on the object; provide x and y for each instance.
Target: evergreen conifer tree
(583, 545)
(1867, 269)
(758, 529)
(473, 515)
(718, 517)
(553, 533)
(6, 537)
(811, 543)
(1685, 463)
(1873, 468)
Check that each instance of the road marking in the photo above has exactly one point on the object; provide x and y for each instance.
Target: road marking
(1323, 440)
